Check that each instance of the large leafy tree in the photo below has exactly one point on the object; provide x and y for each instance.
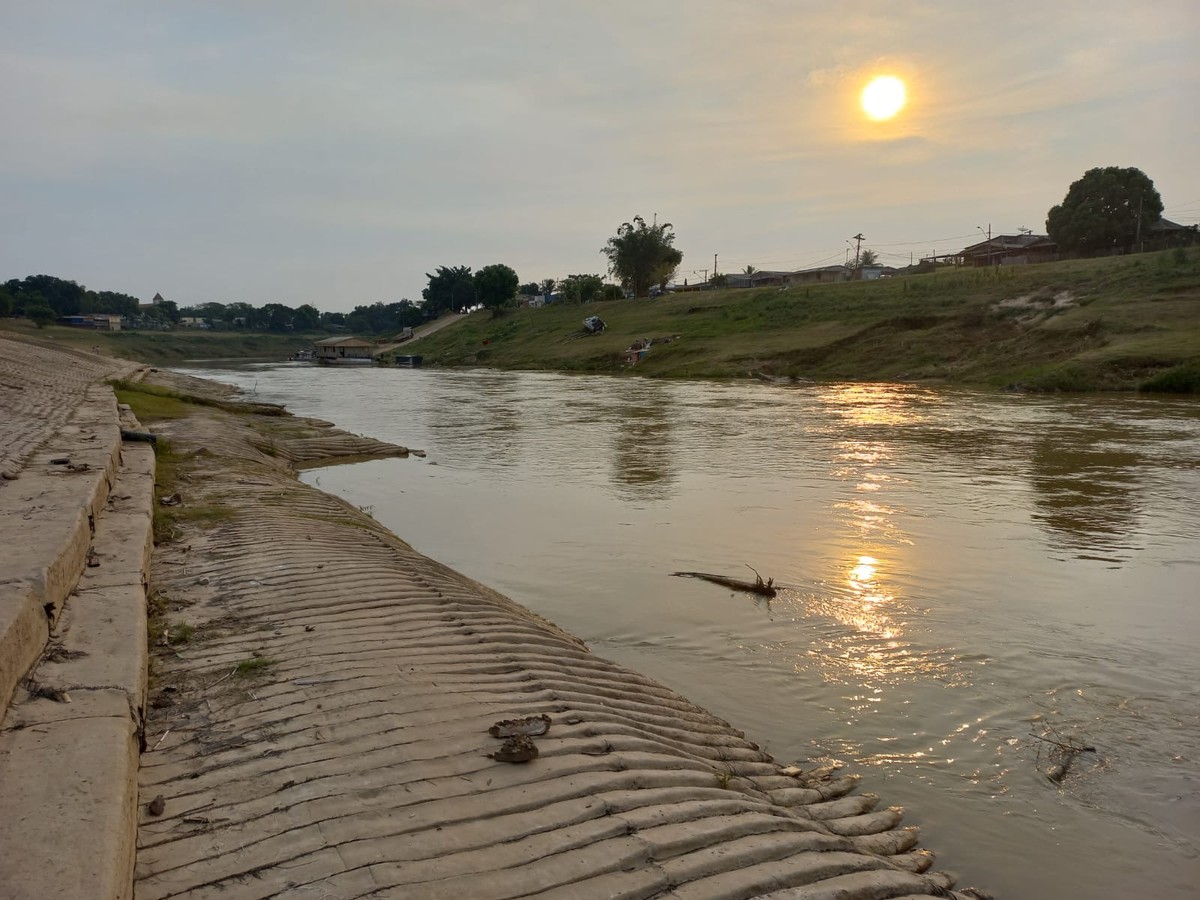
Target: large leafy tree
(451, 289)
(581, 288)
(39, 312)
(277, 317)
(109, 302)
(380, 318)
(1103, 209)
(64, 297)
(641, 255)
(495, 285)
(306, 317)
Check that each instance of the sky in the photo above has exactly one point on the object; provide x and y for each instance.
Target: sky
(334, 153)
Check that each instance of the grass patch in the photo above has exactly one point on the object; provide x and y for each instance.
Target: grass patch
(166, 476)
(149, 403)
(181, 633)
(173, 404)
(257, 666)
(1181, 379)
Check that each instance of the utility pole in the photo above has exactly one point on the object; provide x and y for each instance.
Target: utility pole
(714, 265)
(989, 237)
(1138, 239)
(857, 248)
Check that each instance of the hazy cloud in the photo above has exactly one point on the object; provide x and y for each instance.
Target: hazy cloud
(308, 152)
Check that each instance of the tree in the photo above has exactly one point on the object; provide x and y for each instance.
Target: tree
(868, 258)
(548, 286)
(239, 309)
(170, 311)
(749, 270)
(642, 255)
(581, 288)
(451, 289)
(40, 312)
(65, 298)
(719, 282)
(495, 285)
(531, 289)
(333, 318)
(211, 312)
(1105, 210)
(6, 302)
(408, 314)
(277, 317)
(306, 317)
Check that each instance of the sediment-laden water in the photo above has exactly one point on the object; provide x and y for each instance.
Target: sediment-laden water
(960, 571)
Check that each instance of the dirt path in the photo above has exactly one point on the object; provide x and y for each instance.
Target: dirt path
(320, 705)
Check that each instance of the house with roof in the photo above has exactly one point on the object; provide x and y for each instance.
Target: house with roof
(1010, 250)
(1165, 234)
(820, 275)
(767, 278)
(345, 351)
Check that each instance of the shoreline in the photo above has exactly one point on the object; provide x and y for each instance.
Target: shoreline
(318, 686)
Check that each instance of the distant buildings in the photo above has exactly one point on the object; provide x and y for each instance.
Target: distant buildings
(1009, 250)
(99, 322)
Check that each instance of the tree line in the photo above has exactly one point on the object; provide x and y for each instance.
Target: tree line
(640, 257)
(46, 298)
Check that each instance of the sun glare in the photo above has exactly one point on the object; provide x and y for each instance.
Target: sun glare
(883, 98)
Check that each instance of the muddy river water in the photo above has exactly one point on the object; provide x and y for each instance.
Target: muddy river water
(961, 572)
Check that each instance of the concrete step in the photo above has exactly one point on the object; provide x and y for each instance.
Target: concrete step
(70, 741)
(46, 520)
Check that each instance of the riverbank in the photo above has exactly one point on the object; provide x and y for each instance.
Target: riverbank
(1114, 324)
(321, 698)
(163, 347)
(318, 713)
(1121, 323)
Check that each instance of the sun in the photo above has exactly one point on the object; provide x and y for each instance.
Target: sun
(883, 98)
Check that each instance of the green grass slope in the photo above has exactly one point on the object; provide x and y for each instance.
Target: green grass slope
(1112, 324)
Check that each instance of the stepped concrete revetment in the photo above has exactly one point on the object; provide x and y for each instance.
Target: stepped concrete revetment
(75, 522)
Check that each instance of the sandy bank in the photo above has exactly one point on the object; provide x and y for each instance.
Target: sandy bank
(320, 697)
(320, 705)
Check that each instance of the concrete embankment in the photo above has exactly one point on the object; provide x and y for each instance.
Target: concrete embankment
(75, 527)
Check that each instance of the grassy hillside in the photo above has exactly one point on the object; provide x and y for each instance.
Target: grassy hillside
(1109, 324)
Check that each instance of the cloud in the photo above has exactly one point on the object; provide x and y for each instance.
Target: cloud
(294, 142)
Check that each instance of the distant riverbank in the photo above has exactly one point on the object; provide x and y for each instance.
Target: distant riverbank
(1112, 324)
(167, 347)
(1115, 324)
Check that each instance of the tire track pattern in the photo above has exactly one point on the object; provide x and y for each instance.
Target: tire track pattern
(355, 764)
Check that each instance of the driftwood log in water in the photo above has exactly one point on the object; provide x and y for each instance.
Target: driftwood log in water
(757, 586)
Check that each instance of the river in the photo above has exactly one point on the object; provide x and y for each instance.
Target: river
(960, 572)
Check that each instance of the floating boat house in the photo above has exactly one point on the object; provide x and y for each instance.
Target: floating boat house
(346, 351)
